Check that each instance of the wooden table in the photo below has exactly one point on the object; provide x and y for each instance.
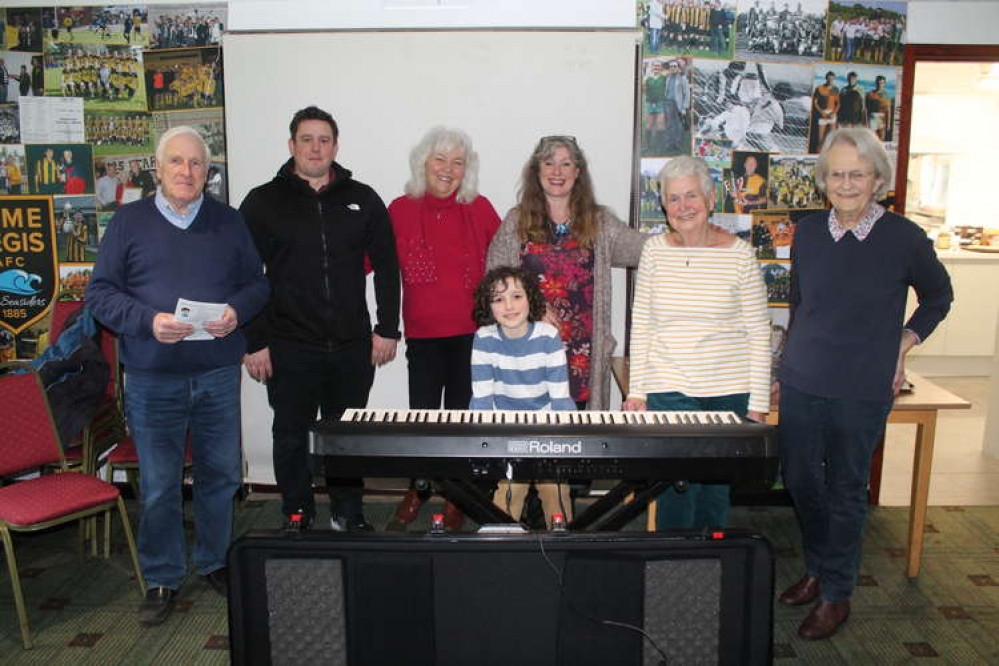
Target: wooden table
(919, 407)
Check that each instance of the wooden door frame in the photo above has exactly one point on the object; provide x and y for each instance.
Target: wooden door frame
(915, 53)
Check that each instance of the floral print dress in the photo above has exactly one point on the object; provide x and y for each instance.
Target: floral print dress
(564, 271)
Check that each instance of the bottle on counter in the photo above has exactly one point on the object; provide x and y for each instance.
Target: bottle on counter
(943, 240)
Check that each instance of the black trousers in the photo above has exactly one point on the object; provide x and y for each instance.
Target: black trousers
(305, 383)
(440, 366)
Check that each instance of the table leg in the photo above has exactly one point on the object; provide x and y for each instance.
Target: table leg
(874, 478)
(921, 467)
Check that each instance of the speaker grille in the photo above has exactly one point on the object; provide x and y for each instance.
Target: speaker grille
(683, 610)
(305, 607)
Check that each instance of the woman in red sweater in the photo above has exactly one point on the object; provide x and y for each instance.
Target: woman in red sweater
(442, 231)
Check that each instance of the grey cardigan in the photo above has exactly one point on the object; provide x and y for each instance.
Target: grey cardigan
(617, 244)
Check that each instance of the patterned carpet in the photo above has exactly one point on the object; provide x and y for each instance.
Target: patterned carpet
(83, 610)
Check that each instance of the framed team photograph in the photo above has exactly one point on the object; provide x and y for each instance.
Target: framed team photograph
(126, 178)
(25, 76)
(717, 174)
(76, 229)
(184, 79)
(10, 124)
(792, 182)
(184, 26)
(651, 217)
(102, 225)
(217, 182)
(108, 78)
(777, 277)
(73, 280)
(63, 168)
(745, 183)
(116, 133)
(779, 321)
(764, 32)
(866, 31)
(757, 106)
(853, 96)
(715, 152)
(24, 29)
(13, 178)
(102, 24)
(773, 232)
(210, 124)
(698, 28)
(666, 107)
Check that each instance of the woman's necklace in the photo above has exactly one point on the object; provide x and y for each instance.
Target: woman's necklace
(561, 229)
(681, 243)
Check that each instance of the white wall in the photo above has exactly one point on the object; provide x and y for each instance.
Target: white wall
(257, 127)
(505, 88)
(433, 14)
(957, 22)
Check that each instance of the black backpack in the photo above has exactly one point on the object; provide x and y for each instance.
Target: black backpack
(75, 374)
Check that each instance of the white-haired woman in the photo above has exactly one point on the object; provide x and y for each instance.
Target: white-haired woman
(700, 336)
(844, 360)
(442, 227)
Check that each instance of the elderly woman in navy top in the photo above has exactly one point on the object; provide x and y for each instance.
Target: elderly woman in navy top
(845, 360)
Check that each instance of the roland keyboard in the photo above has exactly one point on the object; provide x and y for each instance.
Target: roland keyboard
(463, 444)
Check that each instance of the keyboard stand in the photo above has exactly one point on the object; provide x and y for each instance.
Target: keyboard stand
(609, 513)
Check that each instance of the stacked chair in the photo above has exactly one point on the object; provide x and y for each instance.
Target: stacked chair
(29, 441)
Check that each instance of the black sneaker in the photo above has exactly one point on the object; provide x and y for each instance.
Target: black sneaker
(218, 580)
(351, 524)
(157, 606)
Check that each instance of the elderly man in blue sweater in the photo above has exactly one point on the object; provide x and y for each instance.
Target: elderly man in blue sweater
(180, 244)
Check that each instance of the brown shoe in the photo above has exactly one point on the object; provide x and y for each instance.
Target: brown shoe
(824, 620)
(406, 512)
(802, 592)
(453, 517)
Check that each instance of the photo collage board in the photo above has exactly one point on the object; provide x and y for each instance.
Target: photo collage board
(85, 94)
(753, 87)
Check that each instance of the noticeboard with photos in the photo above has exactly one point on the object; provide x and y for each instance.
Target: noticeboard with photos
(85, 94)
(752, 87)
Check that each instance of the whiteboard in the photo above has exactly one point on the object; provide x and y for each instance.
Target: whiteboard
(386, 89)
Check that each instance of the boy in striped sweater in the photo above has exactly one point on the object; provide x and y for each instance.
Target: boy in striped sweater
(518, 363)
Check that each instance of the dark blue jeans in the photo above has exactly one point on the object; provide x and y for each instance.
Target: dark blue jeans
(162, 408)
(826, 445)
(701, 504)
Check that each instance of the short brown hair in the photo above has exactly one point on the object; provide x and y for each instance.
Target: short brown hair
(483, 312)
(313, 113)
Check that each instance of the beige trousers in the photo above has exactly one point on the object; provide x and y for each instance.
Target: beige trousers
(547, 492)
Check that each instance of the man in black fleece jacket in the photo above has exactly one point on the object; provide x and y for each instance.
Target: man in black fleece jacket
(314, 346)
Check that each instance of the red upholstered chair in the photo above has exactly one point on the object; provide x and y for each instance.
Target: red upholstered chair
(61, 310)
(125, 457)
(29, 441)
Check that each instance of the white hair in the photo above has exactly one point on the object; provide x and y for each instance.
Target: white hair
(179, 131)
(869, 149)
(685, 165)
(443, 140)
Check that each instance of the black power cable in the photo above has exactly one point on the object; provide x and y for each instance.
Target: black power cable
(559, 584)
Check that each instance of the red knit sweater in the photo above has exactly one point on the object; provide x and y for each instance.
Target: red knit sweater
(442, 256)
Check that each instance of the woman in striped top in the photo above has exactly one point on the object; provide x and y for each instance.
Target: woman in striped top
(700, 334)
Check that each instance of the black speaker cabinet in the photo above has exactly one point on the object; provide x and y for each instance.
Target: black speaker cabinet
(608, 599)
